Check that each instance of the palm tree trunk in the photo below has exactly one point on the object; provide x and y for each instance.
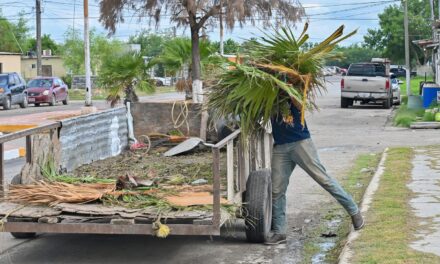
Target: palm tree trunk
(197, 84)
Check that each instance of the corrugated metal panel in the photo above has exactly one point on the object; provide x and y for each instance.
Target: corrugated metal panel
(93, 137)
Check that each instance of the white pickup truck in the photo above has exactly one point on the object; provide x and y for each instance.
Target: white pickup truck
(367, 82)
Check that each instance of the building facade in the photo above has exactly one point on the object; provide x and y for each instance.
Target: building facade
(10, 62)
(51, 66)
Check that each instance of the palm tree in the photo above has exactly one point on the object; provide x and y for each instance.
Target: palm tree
(124, 74)
(279, 70)
(177, 56)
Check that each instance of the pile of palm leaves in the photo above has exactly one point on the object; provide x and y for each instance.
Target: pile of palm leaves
(278, 69)
(52, 193)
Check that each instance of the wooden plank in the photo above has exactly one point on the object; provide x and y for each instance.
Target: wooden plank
(29, 149)
(33, 211)
(30, 131)
(224, 141)
(267, 150)
(230, 170)
(216, 186)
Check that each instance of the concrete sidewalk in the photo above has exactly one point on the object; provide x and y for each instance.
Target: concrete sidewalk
(426, 200)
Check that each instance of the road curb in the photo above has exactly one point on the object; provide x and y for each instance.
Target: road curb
(346, 254)
(14, 153)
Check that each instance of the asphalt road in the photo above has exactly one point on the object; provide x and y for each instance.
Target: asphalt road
(340, 136)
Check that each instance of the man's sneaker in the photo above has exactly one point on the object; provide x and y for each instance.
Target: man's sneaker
(275, 239)
(358, 221)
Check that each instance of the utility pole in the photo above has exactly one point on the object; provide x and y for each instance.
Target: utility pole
(408, 70)
(222, 52)
(87, 54)
(38, 15)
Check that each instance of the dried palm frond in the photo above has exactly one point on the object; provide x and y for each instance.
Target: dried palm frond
(52, 193)
(279, 69)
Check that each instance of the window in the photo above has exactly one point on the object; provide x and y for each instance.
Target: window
(366, 70)
(11, 79)
(1, 67)
(17, 79)
(33, 66)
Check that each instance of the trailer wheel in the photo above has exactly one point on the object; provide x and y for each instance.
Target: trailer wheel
(258, 206)
(23, 235)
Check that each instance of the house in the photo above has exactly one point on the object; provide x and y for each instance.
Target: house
(10, 62)
(51, 66)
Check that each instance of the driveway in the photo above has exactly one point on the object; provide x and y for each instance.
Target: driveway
(340, 136)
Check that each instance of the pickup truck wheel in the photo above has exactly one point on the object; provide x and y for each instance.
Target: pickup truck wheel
(387, 103)
(344, 102)
(66, 100)
(7, 103)
(23, 235)
(258, 206)
(350, 102)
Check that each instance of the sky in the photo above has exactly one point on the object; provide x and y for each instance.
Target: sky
(324, 17)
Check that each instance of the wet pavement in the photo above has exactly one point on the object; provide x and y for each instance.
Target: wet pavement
(426, 201)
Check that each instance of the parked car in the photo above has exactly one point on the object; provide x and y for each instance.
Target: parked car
(401, 72)
(395, 86)
(366, 82)
(12, 90)
(48, 90)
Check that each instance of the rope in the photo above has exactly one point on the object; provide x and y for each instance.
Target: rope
(5, 218)
(146, 139)
(182, 117)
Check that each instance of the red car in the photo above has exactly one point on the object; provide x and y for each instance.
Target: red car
(48, 90)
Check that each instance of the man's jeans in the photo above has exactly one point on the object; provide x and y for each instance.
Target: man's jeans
(284, 159)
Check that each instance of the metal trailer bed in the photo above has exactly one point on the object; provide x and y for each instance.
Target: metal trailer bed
(243, 163)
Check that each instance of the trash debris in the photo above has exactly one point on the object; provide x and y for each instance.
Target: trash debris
(186, 146)
(199, 182)
(365, 170)
(160, 230)
(138, 145)
(307, 221)
(329, 234)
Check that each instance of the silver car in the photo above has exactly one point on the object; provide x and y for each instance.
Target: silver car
(395, 86)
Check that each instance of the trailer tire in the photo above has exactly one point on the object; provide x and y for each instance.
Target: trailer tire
(23, 235)
(258, 206)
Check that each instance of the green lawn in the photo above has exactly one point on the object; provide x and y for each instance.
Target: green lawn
(390, 221)
(415, 82)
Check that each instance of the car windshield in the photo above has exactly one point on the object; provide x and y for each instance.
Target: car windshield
(44, 83)
(3, 80)
(366, 70)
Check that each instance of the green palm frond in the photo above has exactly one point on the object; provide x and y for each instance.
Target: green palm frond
(278, 69)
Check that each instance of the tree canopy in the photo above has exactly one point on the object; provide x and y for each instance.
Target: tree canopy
(389, 38)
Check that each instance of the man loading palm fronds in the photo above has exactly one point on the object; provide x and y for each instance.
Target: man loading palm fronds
(294, 146)
(277, 84)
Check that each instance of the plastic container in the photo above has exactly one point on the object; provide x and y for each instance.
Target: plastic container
(430, 94)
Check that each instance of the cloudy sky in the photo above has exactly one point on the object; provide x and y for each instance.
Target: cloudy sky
(324, 17)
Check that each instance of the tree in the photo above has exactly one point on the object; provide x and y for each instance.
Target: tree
(230, 46)
(14, 36)
(352, 54)
(389, 38)
(47, 43)
(124, 73)
(100, 48)
(176, 56)
(200, 14)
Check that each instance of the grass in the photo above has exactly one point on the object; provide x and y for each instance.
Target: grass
(390, 219)
(404, 116)
(99, 94)
(355, 183)
(415, 82)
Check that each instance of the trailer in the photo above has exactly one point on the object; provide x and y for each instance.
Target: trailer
(248, 185)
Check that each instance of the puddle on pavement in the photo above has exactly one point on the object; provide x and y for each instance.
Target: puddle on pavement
(326, 244)
(425, 203)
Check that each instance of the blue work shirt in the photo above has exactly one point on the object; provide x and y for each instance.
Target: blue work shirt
(283, 132)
